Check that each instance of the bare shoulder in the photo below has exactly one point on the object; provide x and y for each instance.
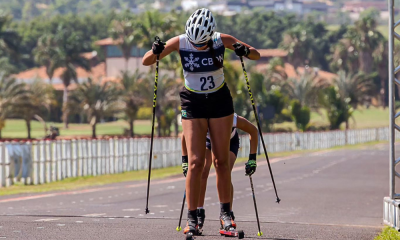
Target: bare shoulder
(173, 43)
(228, 40)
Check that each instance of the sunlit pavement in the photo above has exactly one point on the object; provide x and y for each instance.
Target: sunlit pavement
(325, 195)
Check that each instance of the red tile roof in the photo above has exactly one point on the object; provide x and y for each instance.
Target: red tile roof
(105, 42)
(96, 73)
(272, 52)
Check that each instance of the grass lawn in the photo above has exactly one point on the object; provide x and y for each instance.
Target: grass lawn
(388, 233)
(363, 118)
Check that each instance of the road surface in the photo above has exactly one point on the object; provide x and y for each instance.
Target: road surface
(325, 195)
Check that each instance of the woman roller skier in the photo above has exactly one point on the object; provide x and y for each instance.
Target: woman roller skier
(206, 104)
(238, 123)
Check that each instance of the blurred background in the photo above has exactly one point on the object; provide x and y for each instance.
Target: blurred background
(73, 67)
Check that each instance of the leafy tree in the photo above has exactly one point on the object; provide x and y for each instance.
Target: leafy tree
(96, 100)
(338, 108)
(8, 36)
(300, 114)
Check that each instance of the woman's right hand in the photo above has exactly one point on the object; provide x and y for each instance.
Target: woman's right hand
(158, 46)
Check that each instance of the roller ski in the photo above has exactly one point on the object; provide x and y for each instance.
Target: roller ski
(191, 230)
(201, 215)
(227, 229)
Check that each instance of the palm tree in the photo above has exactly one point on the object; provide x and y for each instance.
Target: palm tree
(299, 43)
(344, 57)
(96, 100)
(304, 88)
(7, 37)
(131, 97)
(365, 38)
(10, 94)
(45, 53)
(125, 34)
(68, 56)
(38, 98)
(354, 87)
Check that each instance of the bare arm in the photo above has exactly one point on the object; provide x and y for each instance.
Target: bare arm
(184, 150)
(172, 45)
(244, 125)
(229, 40)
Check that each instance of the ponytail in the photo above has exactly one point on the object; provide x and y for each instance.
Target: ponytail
(210, 45)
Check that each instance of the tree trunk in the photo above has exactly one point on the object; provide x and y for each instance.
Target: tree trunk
(366, 61)
(0, 134)
(126, 64)
(94, 130)
(131, 130)
(28, 127)
(65, 110)
(347, 124)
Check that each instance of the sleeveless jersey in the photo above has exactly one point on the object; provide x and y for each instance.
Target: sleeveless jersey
(233, 127)
(201, 75)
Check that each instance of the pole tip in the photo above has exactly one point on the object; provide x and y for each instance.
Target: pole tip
(278, 200)
(178, 228)
(147, 211)
(260, 234)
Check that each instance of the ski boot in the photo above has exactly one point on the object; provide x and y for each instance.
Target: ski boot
(227, 229)
(200, 219)
(233, 220)
(191, 229)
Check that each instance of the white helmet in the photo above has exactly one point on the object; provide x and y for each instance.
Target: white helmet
(200, 26)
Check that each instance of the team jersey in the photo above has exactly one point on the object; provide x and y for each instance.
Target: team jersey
(233, 127)
(201, 75)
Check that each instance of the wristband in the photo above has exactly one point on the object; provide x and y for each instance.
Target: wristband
(185, 159)
(252, 156)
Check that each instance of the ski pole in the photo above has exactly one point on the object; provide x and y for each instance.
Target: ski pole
(255, 207)
(152, 129)
(258, 125)
(178, 228)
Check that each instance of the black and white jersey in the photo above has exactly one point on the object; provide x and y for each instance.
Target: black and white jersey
(199, 71)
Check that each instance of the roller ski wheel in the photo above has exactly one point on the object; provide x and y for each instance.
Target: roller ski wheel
(189, 236)
(232, 233)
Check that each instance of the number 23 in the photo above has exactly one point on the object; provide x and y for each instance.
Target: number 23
(204, 81)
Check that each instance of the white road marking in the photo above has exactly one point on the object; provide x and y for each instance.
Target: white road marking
(81, 201)
(131, 209)
(162, 211)
(109, 196)
(161, 206)
(46, 219)
(39, 227)
(152, 213)
(73, 202)
(111, 218)
(79, 221)
(91, 199)
(207, 198)
(171, 210)
(127, 216)
(94, 215)
(140, 215)
(171, 187)
(61, 225)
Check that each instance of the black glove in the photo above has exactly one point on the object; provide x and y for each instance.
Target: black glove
(241, 50)
(184, 165)
(251, 167)
(158, 46)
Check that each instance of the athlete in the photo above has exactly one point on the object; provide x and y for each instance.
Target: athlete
(242, 124)
(206, 104)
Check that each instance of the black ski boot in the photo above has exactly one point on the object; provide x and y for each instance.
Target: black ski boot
(233, 220)
(191, 229)
(201, 215)
(226, 221)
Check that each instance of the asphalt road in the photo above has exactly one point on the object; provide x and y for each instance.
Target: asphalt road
(325, 195)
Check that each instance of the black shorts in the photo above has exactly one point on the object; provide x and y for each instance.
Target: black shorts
(233, 147)
(209, 105)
